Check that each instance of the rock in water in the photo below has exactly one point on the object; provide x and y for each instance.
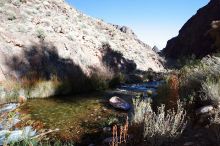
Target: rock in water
(119, 103)
(8, 107)
(7, 136)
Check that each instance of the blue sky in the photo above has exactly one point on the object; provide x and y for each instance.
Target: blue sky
(154, 21)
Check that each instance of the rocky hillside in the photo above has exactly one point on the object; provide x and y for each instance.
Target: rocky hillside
(199, 36)
(50, 35)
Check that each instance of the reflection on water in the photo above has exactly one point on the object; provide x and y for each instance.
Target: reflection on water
(73, 116)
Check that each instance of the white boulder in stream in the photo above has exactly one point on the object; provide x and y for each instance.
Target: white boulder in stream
(8, 107)
(7, 136)
(119, 103)
(6, 124)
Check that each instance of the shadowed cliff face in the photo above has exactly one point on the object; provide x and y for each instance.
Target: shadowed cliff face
(199, 35)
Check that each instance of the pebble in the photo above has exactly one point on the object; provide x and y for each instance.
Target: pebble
(204, 109)
(107, 129)
(188, 144)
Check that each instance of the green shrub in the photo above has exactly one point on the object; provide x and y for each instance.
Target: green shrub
(116, 80)
(191, 79)
(163, 93)
(41, 34)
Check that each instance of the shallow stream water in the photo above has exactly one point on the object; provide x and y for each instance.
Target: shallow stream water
(80, 116)
(75, 116)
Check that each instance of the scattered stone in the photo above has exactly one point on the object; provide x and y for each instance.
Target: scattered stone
(107, 129)
(104, 109)
(188, 144)
(17, 135)
(204, 109)
(107, 140)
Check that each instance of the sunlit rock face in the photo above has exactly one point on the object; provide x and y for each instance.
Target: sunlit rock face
(34, 33)
(200, 34)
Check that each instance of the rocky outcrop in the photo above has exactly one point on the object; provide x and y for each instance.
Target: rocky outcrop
(155, 49)
(126, 30)
(199, 36)
(52, 36)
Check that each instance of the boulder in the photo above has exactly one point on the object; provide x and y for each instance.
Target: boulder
(7, 136)
(119, 103)
(8, 107)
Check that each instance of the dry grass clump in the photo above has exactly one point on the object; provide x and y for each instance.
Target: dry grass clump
(173, 96)
(141, 107)
(161, 126)
(34, 86)
(164, 126)
(211, 90)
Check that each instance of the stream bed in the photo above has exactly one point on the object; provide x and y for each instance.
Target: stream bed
(77, 117)
(84, 119)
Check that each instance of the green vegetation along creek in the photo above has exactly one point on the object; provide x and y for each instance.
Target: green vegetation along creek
(73, 116)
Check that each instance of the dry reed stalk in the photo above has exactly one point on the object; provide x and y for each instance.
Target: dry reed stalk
(174, 92)
(123, 135)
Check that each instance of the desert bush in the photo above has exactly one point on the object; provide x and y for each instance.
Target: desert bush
(193, 76)
(188, 61)
(40, 34)
(116, 80)
(164, 126)
(9, 92)
(11, 15)
(161, 126)
(163, 92)
(211, 90)
(140, 108)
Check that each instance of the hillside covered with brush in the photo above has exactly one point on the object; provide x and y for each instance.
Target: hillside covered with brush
(49, 37)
